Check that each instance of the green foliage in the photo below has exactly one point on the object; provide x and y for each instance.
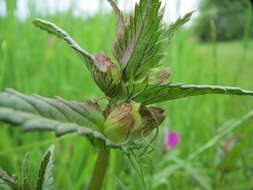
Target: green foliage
(26, 178)
(103, 71)
(10, 181)
(186, 60)
(139, 47)
(45, 177)
(135, 43)
(141, 41)
(230, 18)
(38, 113)
(153, 94)
(227, 163)
(24, 182)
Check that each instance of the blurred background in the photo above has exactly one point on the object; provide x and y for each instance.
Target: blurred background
(216, 149)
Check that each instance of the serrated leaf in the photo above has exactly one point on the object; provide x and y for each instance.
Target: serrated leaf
(8, 180)
(120, 23)
(36, 113)
(154, 94)
(45, 177)
(98, 71)
(140, 43)
(157, 52)
(176, 25)
(141, 37)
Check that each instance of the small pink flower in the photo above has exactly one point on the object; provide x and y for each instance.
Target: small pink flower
(172, 139)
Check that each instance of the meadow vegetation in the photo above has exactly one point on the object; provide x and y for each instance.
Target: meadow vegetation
(31, 61)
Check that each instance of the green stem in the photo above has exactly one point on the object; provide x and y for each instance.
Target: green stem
(100, 170)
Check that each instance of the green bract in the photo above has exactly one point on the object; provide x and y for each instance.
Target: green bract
(122, 122)
(135, 80)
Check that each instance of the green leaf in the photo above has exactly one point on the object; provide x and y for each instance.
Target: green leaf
(53, 29)
(120, 23)
(100, 65)
(176, 25)
(45, 177)
(8, 180)
(36, 113)
(158, 49)
(154, 94)
(26, 180)
(139, 43)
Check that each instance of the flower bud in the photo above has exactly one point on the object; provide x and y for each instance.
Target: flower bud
(159, 75)
(152, 117)
(103, 62)
(122, 121)
(107, 74)
(112, 76)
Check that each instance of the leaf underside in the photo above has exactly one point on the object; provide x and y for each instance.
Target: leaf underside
(155, 94)
(36, 113)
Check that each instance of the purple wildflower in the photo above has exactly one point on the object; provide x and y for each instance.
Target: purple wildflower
(172, 139)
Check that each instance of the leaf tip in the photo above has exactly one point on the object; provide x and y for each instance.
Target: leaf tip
(36, 21)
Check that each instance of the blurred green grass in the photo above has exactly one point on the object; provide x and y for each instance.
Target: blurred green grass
(32, 61)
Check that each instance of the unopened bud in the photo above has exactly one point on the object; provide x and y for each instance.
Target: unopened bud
(122, 122)
(108, 74)
(152, 117)
(103, 62)
(159, 76)
(113, 75)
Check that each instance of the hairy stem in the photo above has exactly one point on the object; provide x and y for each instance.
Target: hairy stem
(100, 169)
